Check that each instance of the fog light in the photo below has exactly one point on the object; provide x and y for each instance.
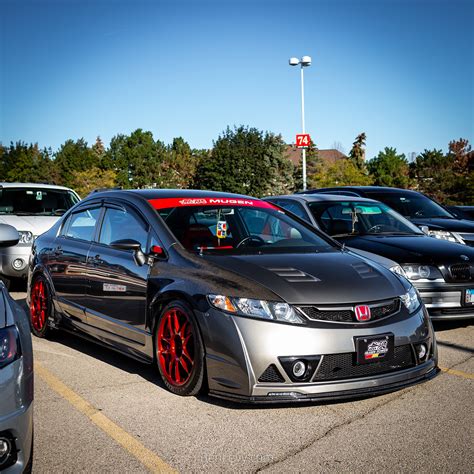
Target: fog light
(5, 448)
(18, 263)
(299, 368)
(422, 350)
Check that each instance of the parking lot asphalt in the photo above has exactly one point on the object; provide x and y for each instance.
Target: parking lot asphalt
(98, 411)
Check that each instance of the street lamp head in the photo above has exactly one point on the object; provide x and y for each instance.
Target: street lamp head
(306, 61)
(294, 61)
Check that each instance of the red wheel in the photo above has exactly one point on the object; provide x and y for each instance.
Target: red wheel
(179, 350)
(39, 307)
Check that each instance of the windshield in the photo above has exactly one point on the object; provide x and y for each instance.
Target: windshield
(412, 205)
(36, 201)
(360, 218)
(229, 228)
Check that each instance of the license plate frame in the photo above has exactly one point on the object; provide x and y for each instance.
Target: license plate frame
(370, 349)
(468, 295)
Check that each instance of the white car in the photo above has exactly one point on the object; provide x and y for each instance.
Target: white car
(32, 209)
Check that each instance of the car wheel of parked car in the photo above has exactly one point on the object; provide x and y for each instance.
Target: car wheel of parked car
(179, 350)
(40, 307)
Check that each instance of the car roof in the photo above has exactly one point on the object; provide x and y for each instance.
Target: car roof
(323, 197)
(34, 186)
(384, 189)
(168, 193)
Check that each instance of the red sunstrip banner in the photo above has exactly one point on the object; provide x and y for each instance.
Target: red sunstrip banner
(166, 203)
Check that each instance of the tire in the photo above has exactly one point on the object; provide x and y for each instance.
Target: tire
(179, 351)
(40, 307)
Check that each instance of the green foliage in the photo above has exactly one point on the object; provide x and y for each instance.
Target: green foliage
(390, 169)
(247, 161)
(313, 167)
(27, 163)
(340, 173)
(86, 181)
(357, 153)
(72, 157)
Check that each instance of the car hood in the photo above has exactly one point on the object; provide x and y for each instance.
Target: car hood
(455, 225)
(35, 224)
(325, 278)
(412, 249)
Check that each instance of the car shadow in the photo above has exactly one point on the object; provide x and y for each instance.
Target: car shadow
(452, 324)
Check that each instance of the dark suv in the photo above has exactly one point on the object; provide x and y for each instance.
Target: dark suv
(423, 211)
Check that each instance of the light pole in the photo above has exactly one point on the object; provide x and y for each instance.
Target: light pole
(305, 61)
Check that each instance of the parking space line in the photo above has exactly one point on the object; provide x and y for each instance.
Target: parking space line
(148, 458)
(458, 373)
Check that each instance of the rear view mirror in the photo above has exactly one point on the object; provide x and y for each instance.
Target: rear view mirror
(9, 236)
(425, 229)
(131, 244)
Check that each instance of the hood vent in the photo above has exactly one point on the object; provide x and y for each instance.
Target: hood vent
(365, 271)
(293, 275)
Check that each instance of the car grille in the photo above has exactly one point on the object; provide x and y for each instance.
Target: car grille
(346, 315)
(343, 366)
(460, 272)
(271, 374)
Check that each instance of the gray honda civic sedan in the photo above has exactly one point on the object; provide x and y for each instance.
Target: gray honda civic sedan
(16, 378)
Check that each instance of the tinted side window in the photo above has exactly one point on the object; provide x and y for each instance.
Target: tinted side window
(81, 225)
(119, 224)
(295, 207)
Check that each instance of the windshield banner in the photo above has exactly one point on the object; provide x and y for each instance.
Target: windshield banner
(166, 203)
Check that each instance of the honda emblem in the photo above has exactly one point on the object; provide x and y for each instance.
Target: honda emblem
(362, 313)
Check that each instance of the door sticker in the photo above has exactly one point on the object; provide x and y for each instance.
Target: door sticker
(112, 287)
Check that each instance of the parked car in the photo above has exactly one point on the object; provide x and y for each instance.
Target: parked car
(16, 378)
(462, 212)
(442, 271)
(31, 209)
(229, 293)
(423, 211)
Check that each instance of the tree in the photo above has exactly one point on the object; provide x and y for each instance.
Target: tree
(247, 161)
(341, 173)
(390, 169)
(136, 158)
(357, 153)
(85, 181)
(460, 152)
(72, 157)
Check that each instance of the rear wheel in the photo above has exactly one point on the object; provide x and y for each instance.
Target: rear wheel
(40, 307)
(179, 350)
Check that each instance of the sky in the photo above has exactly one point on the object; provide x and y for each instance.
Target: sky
(399, 70)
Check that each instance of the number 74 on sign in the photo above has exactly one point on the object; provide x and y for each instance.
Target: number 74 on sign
(303, 140)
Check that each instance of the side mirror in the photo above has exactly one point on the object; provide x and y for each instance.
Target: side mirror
(131, 244)
(425, 229)
(9, 236)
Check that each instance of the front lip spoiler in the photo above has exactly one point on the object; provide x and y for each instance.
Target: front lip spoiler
(328, 397)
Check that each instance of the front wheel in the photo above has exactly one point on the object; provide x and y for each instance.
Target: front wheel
(40, 307)
(179, 350)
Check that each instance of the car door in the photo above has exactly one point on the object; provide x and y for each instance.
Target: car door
(117, 283)
(67, 262)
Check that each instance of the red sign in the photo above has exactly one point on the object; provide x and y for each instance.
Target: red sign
(303, 140)
(362, 313)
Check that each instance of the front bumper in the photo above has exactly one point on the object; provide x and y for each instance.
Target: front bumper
(445, 300)
(16, 414)
(8, 255)
(264, 344)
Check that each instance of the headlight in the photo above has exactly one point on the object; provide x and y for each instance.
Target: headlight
(26, 237)
(274, 311)
(445, 235)
(411, 300)
(9, 349)
(417, 272)
(398, 269)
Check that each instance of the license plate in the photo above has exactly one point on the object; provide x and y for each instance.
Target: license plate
(469, 297)
(374, 348)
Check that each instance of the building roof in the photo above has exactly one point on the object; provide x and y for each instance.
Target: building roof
(330, 156)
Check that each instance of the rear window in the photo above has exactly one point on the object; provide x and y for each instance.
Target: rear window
(36, 201)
